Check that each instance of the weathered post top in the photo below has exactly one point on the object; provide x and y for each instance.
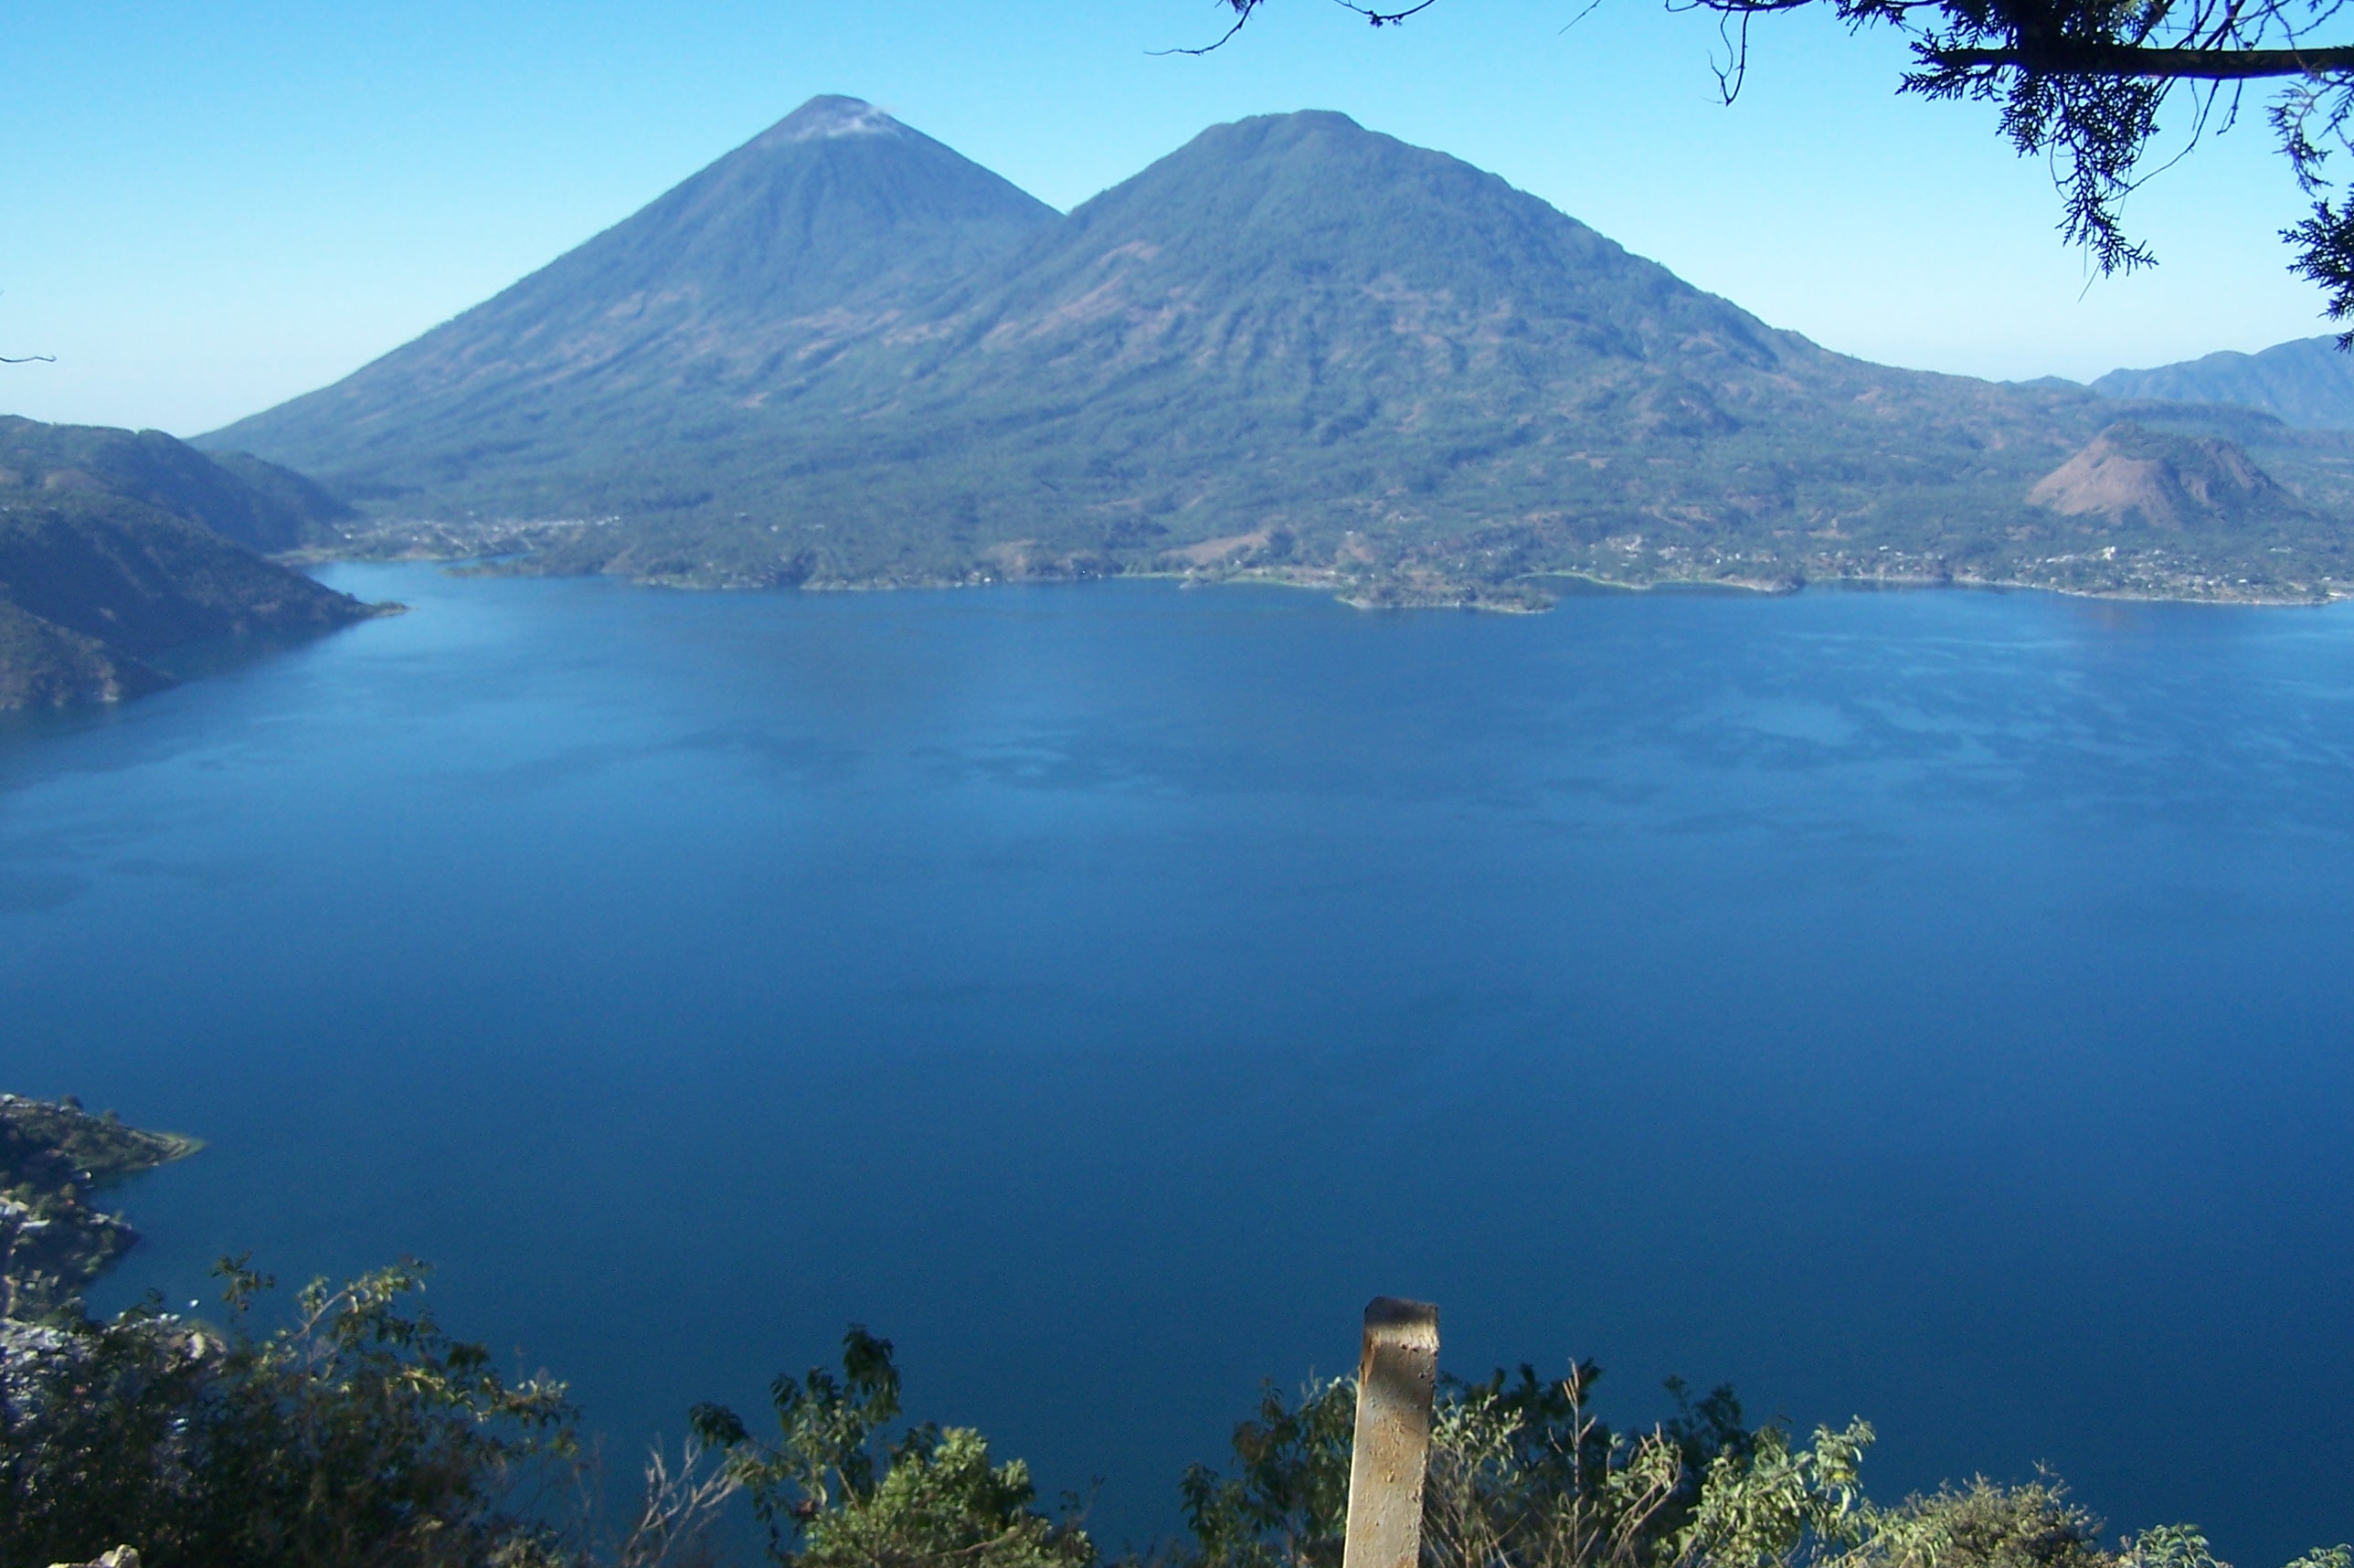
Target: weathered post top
(1396, 1375)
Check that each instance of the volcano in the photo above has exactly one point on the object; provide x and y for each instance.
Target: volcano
(827, 226)
(845, 355)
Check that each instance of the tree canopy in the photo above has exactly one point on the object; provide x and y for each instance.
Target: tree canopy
(2084, 82)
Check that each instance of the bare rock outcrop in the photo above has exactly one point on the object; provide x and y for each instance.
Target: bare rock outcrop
(2158, 478)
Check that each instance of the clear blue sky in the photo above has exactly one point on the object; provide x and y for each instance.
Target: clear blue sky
(210, 207)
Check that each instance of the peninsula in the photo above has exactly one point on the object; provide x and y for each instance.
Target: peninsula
(56, 1159)
(119, 545)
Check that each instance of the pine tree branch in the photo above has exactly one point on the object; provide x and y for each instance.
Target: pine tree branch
(2088, 59)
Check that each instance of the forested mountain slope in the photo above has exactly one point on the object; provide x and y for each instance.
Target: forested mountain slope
(828, 224)
(2308, 382)
(112, 550)
(237, 495)
(1294, 347)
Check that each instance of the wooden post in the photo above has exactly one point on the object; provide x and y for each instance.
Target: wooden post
(1397, 1374)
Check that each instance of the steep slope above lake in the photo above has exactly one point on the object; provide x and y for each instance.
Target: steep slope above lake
(43, 665)
(234, 494)
(94, 580)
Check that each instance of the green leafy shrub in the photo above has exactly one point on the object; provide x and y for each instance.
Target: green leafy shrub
(1988, 1526)
(1523, 1476)
(360, 1435)
(835, 1492)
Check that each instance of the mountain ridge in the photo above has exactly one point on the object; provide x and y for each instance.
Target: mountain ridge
(2308, 382)
(1293, 347)
(239, 496)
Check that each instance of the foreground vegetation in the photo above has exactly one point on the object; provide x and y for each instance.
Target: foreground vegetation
(361, 1434)
(358, 1434)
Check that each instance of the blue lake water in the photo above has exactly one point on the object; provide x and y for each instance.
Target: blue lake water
(1937, 1007)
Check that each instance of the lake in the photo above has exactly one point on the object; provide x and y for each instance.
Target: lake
(1931, 1006)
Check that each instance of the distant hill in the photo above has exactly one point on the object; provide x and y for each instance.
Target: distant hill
(112, 550)
(235, 494)
(2155, 479)
(2308, 382)
(1294, 348)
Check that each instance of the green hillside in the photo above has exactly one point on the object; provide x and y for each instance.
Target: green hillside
(1294, 349)
(237, 495)
(95, 580)
(43, 665)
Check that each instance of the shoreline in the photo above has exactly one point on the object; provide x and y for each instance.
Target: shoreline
(1526, 594)
(55, 1160)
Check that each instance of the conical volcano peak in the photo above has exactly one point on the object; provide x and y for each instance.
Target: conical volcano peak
(831, 115)
(829, 224)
